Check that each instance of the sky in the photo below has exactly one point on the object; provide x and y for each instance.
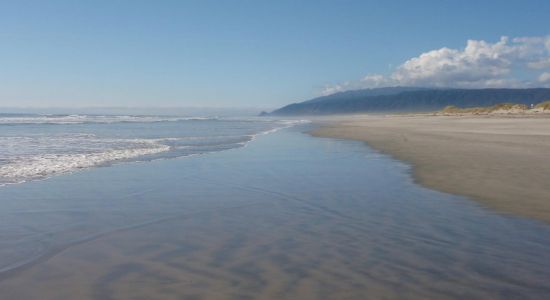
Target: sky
(261, 54)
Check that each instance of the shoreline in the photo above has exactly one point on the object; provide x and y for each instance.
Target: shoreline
(499, 161)
(183, 227)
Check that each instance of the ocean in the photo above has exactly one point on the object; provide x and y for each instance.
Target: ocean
(39, 146)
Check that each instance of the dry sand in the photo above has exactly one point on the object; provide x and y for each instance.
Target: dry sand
(501, 161)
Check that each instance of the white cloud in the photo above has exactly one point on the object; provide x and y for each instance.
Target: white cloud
(367, 81)
(544, 77)
(540, 64)
(479, 64)
(375, 80)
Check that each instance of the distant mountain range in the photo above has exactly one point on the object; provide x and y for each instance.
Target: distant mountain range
(409, 99)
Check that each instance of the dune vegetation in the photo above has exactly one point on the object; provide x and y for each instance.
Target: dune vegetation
(543, 105)
(497, 108)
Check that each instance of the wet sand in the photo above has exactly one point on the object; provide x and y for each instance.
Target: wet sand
(288, 217)
(501, 161)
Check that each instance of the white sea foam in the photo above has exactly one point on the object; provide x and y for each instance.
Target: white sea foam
(29, 153)
(285, 124)
(83, 119)
(45, 163)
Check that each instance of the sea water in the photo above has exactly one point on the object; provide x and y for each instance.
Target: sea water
(40, 146)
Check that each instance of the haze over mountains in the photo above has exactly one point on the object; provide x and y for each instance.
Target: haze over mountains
(410, 99)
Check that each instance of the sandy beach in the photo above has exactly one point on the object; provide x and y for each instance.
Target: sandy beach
(290, 216)
(501, 161)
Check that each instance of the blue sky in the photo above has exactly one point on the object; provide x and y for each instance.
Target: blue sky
(257, 53)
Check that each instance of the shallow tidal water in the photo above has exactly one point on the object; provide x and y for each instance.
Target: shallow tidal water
(289, 216)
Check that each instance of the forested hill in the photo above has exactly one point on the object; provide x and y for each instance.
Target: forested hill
(410, 99)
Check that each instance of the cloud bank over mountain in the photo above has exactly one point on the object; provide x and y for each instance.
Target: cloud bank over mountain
(515, 63)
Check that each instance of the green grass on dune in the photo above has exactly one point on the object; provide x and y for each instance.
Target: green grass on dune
(544, 105)
(480, 110)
